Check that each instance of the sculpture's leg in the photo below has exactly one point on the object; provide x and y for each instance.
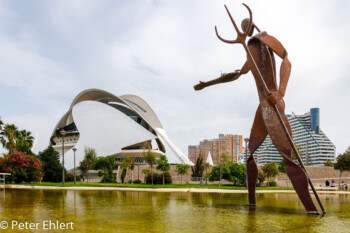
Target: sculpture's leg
(295, 173)
(257, 136)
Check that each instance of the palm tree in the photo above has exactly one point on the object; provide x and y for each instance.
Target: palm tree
(1, 124)
(90, 157)
(182, 169)
(129, 165)
(8, 137)
(25, 139)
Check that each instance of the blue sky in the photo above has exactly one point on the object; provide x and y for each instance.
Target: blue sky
(52, 50)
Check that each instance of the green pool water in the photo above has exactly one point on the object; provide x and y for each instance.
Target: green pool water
(120, 211)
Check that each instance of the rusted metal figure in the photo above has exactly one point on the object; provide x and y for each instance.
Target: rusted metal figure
(269, 118)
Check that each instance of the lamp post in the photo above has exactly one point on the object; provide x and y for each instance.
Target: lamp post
(63, 133)
(74, 149)
(246, 160)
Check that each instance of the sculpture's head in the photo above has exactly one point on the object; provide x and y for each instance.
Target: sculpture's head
(245, 25)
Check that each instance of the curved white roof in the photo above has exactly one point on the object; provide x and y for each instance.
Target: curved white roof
(107, 129)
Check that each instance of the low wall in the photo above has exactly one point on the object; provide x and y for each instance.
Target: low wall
(176, 179)
(318, 175)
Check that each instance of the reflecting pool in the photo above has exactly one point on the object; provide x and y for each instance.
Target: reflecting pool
(125, 211)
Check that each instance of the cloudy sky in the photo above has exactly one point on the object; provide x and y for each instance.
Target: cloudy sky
(52, 50)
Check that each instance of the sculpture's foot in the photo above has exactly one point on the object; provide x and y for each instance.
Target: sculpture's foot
(313, 212)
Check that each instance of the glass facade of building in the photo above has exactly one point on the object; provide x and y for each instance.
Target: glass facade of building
(313, 145)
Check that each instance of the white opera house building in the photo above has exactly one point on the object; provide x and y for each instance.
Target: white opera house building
(122, 126)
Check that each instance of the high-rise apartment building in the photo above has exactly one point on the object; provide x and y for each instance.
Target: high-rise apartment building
(229, 144)
(313, 145)
(193, 153)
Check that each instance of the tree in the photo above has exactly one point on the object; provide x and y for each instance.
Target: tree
(84, 168)
(282, 166)
(150, 159)
(231, 171)
(146, 172)
(328, 164)
(52, 167)
(282, 169)
(9, 136)
(218, 171)
(158, 178)
(198, 168)
(25, 141)
(132, 166)
(106, 164)
(182, 169)
(206, 166)
(261, 178)
(270, 170)
(1, 124)
(342, 164)
(163, 165)
(90, 158)
(237, 173)
(128, 164)
(224, 158)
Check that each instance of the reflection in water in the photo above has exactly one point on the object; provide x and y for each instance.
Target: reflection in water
(121, 211)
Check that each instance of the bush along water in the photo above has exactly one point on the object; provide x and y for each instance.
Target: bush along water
(158, 178)
(23, 167)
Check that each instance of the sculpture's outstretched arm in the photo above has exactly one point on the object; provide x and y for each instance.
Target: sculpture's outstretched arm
(278, 48)
(229, 77)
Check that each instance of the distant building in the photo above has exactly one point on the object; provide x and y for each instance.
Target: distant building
(347, 151)
(193, 153)
(313, 145)
(123, 126)
(232, 145)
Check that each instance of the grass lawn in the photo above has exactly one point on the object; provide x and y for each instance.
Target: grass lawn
(210, 186)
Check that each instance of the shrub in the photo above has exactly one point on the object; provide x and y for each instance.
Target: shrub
(23, 167)
(70, 177)
(137, 182)
(260, 179)
(233, 172)
(158, 178)
(108, 178)
(272, 183)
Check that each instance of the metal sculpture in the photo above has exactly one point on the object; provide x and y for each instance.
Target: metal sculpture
(269, 118)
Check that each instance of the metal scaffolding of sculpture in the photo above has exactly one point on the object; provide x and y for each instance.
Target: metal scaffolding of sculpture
(269, 118)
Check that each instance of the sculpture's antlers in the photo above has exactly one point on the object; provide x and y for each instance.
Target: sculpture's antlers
(240, 36)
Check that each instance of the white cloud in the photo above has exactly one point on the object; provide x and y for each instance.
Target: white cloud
(159, 50)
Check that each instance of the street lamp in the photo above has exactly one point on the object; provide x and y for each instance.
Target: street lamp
(246, 162)
(63, 133)
(74, 149)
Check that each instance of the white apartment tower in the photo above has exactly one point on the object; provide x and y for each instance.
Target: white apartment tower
(313, 145)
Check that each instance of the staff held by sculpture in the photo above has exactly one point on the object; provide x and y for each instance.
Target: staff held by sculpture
(269, 118)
